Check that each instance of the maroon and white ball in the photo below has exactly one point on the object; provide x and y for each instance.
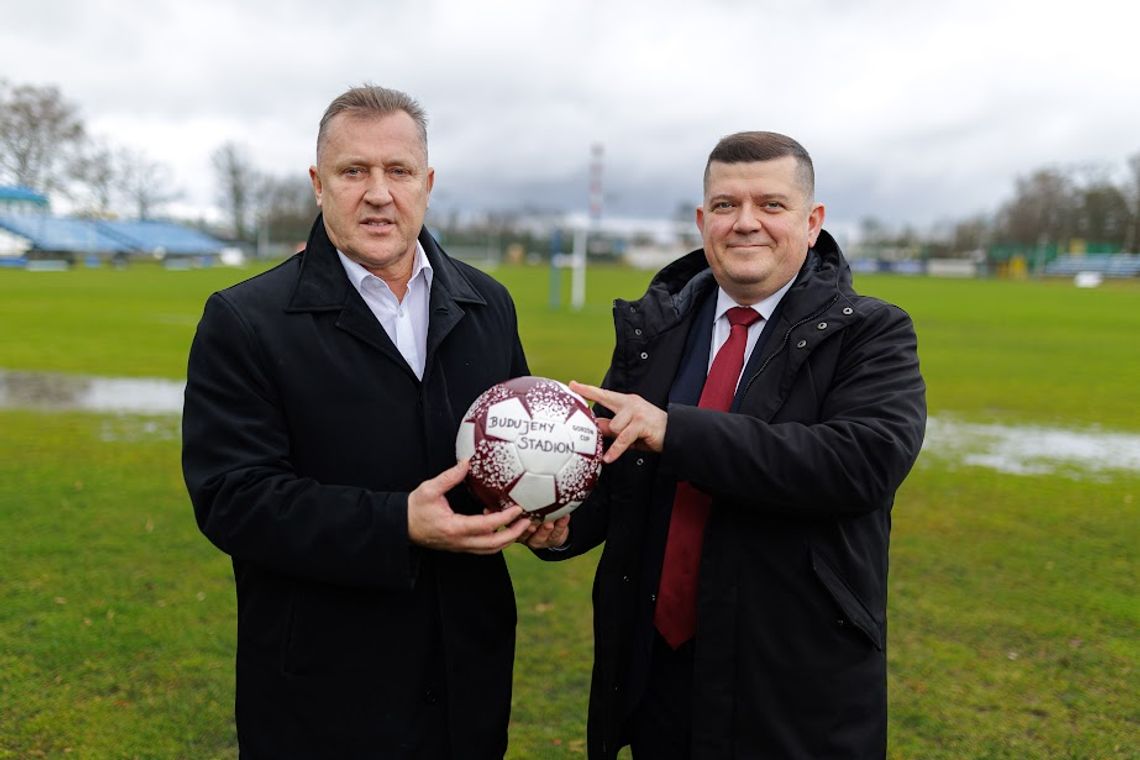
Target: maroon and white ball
(531, 442)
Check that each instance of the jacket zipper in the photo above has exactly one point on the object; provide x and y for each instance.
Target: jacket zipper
(786, 337)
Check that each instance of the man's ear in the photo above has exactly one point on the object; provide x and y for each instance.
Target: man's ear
(815, 222)
(317, 187)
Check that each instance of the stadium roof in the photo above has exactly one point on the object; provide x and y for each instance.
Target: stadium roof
(83, 236)
(18, 193)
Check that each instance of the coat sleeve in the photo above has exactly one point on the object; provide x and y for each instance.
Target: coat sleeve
(849, 460)
(247, 498)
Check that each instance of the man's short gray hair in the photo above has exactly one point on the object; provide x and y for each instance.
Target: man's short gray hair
(370, 100)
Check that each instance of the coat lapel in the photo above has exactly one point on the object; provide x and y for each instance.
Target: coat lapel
(322, 286)
(450, 289)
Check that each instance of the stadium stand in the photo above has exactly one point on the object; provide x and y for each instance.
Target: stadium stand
(1105, 264)
(53, 237)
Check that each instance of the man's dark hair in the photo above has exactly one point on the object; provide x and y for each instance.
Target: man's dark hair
(745, 147)
(370, 100)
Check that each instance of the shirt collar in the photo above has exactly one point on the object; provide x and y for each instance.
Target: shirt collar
(357, 274)
(765, 308)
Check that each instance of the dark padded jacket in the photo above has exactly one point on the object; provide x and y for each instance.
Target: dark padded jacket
(790, 655)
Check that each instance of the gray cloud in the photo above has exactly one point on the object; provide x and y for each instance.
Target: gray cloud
(914, 112)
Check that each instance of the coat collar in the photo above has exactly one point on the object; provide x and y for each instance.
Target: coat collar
(323, 286)
(679, 286)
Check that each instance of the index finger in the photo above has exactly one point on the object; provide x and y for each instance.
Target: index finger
(609, 399)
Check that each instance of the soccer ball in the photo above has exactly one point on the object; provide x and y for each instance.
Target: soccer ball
(531, 442)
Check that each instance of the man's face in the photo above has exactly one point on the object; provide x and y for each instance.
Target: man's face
(372, 183)
(757, 224)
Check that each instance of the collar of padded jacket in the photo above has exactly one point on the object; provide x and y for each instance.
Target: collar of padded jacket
(676, 288)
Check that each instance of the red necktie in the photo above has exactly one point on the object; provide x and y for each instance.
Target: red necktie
(676, 613)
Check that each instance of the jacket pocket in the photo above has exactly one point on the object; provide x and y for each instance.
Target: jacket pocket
(850, 604)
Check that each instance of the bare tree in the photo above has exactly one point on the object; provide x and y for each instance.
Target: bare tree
(1102, 214)
(238, 181)
(1041, 211)
(1132, 235)
(94, 179)
(970, 234)
(40, 135)
(287, 208)
(144, 184)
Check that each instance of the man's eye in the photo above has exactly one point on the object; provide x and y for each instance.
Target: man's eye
(398, 171)
(721, 205)
(773, 205)
(353, 171)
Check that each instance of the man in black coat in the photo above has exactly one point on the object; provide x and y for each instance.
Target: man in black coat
(740, 601)
(375, 614)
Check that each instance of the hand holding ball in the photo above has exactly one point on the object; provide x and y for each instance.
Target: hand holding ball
(531, 442)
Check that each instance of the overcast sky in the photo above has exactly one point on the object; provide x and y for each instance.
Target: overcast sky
(914, 111)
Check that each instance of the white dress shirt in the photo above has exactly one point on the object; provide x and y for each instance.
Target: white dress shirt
(406, 321)
(722, 328)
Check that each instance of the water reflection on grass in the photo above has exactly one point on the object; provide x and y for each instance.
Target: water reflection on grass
(1017, 450)
(50, 391)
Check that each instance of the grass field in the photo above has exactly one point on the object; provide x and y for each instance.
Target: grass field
(1014, 599)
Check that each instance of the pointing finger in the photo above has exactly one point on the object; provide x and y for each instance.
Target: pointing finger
(600, 395)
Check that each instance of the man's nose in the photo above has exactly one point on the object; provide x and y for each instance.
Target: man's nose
(747, 219)
(377, 192)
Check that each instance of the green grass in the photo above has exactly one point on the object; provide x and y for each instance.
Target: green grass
(1016, 352)
(1013, 599)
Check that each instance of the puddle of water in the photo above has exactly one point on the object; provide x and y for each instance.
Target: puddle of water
(58, 392)
(1026, 450)
(1032, 450)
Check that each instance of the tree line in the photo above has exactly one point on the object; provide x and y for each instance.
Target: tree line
(45, 146)
(1050, 208)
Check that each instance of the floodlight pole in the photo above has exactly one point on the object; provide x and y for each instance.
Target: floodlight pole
(578, 276)
(581, 238)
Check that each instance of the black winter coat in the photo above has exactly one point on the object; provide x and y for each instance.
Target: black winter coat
(790, 651)
(304, 430)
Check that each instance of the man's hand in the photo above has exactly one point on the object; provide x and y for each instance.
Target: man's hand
(548, 535)
(433, 524)
(636, 422)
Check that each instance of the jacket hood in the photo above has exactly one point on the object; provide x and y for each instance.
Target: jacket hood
(689, 277)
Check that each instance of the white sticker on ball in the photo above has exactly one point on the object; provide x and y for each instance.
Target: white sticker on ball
(545, 447)
(583, 432)
(506, 420)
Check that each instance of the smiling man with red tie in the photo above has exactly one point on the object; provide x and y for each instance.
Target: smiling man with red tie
(762, 415)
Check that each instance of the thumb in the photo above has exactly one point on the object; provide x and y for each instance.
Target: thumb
(451, 477)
